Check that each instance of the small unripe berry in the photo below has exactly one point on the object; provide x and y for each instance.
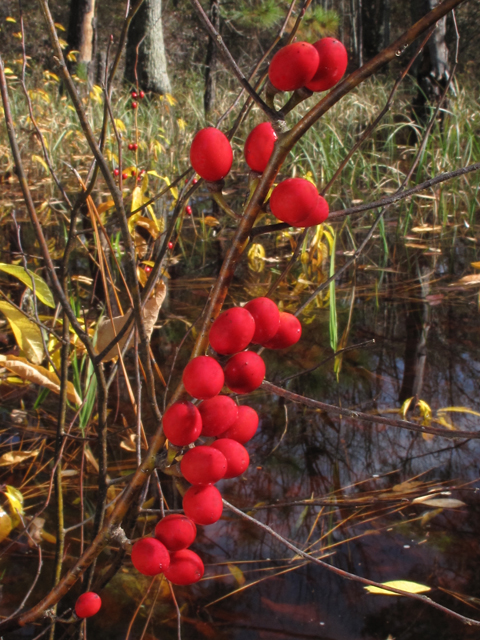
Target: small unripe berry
(288, 334)
(318, 215)
(176, 532)
(211, 154)
(203, 465)
(203, 377)
(293, 200)
(134, 105)
(293, 66)
(150, 556)
(232, 331)
(244, 427)
(244, 372)
(218, 414)
(134, 95)
(88, 604)
(267, 319)
(332, 65)
(203, 505)
(116, 172)
(186, 567)
(141, 95)
(182, 423)
(236, 455)
(259, 146)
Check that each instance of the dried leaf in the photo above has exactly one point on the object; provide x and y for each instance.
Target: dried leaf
(27, 333)
(38, 375)
(467, 280)
(15, 457)
(106, 332)
(439, 503)
(5, 524)
(404, 585)
(42, 291)
(210, 221)
(104, 206)
(237, 574)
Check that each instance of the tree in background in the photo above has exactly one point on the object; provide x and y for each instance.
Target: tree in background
(146, 60)
(81, 34)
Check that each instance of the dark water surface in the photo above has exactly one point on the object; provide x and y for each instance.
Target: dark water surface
(364, 476)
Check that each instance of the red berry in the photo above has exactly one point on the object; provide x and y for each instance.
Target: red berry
(293, 200)
(203, 377)
(194, 181)
(116, 172)
(259, 146)
(318, 215)
(293, 66)
(244, 427)
(170, 245)
(218, 414)
(186, 567)
(147, 268)
(182, 423)
(130, 147)
(211, 154)
(188, 210)
(333, 64)
(267, 319)
(150, 556)
(134, 94)
(141, 95)
(203, 505)
(134, 172)
(236, 455)
(176, 532)
(288, 334)
(203, 465)
(124, 176)
(232, 331)
(244, 372)
(134, 146)
(88, 604)
(134, 105)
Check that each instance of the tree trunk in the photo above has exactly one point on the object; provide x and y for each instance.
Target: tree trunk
(211, 60)
(373, 17)
(433, 69)
(81, 34)
(146, 60)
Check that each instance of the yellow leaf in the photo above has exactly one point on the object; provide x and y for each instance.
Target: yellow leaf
(130, 171)
(403, 585)
(256, 258)
(27, 334)
(210, 221)
(170, 99)
(237, 574)
(18, 35)
(475, 265)
(42, 291)
(5, 524)
(48, 537)
(138, 199)
(15, 498)
(120, 125)
(101, 208)
(459, 410)
(38, 375)
(59, 26)
(10, 19)
(72, 57)
(7, 71)
(15, 457)
(146, 223)
(405, 407)
(63, 43)
(181, 124)
(425, 412)
(309, 176)
(41, 161)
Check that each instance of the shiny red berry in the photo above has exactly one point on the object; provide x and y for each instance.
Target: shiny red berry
(289, 332)
(211, 154)
(203, 377)
(188, 210)
(333, 61)
(203, 505)
(176, 532)
(134, 95)
(130, 147)
(293, 200)
(134, 105)
(116, 172)
(267, 319)
(259, 146)
(236, 456)
(218, 414)
(186, 567)
(244, 372)
(293, 66)
(232, 331)
(203, 465)
(244, 427)
(124, 176)
(194, 181)
(141, 95)
(147, 268)
(170, 245)
(318, 215)
(134, 146)
(88, 604)
(182, 423)
(150, 556)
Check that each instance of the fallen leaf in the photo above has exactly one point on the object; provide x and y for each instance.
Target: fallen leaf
(439, 503)
(15, 457)
(403, 585)
(106, 332)
(27, 333)
(38, 375)
(42, 290)
(474, 278)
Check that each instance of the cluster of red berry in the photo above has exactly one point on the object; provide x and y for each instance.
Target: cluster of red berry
(135, 95)
(217, 416)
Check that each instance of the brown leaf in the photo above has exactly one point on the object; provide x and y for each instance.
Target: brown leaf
(106, 332)
(474, 278)
(15, 457)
